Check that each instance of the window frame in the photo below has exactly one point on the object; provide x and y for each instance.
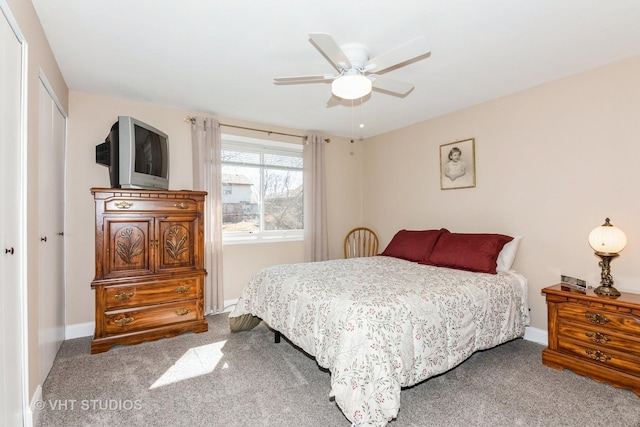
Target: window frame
(261, 147)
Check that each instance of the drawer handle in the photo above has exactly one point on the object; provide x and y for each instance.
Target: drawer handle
(123, 205)
(182, 289)
(597, 337)
(181, 205)
(598, 355)
(597, 318)
(183, 311)
(123, 296)
(124, 321)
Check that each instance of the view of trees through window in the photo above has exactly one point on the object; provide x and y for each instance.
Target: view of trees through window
(262, 187)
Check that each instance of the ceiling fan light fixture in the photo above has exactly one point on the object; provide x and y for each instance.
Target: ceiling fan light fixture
(351, 86)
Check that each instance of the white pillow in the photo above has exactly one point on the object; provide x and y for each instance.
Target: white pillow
(508, 254)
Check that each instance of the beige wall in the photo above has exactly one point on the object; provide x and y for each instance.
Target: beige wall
(552, 163)
(90, 119)
(40, 61)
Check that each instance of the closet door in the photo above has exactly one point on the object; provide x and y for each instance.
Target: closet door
(51, 206)
(12, 257)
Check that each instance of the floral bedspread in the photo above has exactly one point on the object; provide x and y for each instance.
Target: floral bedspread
(379, 323)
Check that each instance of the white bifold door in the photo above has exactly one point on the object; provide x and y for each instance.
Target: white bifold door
(52, 130)
(12, 211)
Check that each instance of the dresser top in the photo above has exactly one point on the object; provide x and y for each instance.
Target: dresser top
(626, 299)
(103, 193)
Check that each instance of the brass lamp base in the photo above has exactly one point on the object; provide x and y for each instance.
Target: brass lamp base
(606, 280)
(607, 291)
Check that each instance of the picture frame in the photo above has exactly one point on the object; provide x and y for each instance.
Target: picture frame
(458, 164)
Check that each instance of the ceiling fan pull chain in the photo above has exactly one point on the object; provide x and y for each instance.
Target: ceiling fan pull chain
(361, 125)
(352, 121)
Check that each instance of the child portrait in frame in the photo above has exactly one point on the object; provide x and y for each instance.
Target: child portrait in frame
(458, 165)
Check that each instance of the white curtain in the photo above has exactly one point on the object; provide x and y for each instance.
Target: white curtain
(207, 149)
(316, 241)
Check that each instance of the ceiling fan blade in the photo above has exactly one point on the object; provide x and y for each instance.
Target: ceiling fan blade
(330, 49)
(390, 85)
(403, 53)
(333, 101)
(304, 79)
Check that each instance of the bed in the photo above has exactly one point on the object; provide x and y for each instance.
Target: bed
(382, 323)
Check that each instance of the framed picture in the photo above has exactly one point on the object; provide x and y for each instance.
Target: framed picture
(458, 165)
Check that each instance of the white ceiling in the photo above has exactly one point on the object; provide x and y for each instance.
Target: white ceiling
(220, 57)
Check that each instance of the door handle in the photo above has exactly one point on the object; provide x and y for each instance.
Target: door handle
(43, 239)
(9, 251)
(61, 233)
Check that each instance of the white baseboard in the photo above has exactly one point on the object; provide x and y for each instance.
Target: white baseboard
(79, 330)
(230, 304)
(536, 335)
(33, 411)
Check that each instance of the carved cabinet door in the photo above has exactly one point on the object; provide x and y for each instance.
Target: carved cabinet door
(177, 243)
(128, 247)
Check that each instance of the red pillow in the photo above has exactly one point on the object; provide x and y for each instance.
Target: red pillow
(413, 245)
(467, 251)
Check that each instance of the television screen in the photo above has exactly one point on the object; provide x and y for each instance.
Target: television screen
(150, 152)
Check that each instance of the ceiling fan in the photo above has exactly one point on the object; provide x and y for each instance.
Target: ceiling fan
(357, 73)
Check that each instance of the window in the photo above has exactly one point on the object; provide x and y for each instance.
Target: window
(262, 190)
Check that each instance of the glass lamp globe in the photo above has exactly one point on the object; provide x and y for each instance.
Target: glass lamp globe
(351, 86)
(607, 241)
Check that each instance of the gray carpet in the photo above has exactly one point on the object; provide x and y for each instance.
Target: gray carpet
(259, 383)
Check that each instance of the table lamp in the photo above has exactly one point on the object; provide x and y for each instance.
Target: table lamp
(607, 241)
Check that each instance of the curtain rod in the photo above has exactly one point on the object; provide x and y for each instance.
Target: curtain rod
(192, 120)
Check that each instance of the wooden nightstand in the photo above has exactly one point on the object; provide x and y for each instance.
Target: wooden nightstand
(594, 336)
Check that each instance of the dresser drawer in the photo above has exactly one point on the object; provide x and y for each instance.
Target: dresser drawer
(619, 322)
(604, 356)
(139, 319)
(151, 205)
(150, 293)
(593, 335)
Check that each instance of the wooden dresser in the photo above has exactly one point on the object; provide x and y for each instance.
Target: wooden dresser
(149, 280)
(594, 336)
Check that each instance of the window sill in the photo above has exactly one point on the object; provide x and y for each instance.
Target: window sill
(257, 239)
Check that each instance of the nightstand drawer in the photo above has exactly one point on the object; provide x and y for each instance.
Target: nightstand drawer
(618, 322)
(150, 293)
(604, 356)
(594, 336)
(122, 321)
